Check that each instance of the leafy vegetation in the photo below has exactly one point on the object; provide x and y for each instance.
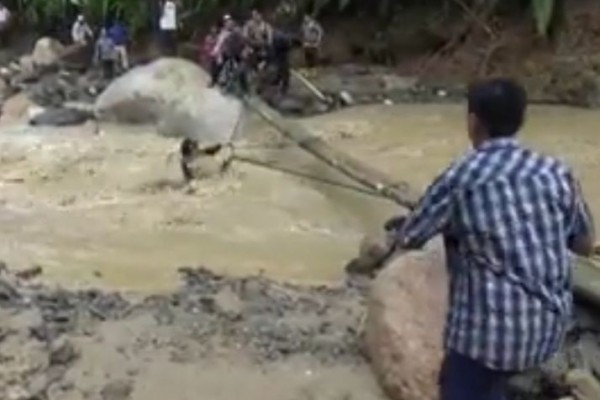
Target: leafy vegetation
(138, 13)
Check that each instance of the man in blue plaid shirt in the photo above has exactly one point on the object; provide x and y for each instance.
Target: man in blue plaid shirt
(510, 219)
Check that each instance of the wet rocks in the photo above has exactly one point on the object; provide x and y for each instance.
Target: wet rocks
(574, 82)
(555, 379)
(62, 352)
(117, 390)
(371, 257)
(272, 320)
(8, 292)
(16, 108)
(47, 52)
(584, 385)
(405, 321)
(29, 273)
(27, 65)
(61, 117)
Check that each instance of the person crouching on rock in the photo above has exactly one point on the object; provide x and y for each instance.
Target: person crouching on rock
(105, 55)
(510, 219)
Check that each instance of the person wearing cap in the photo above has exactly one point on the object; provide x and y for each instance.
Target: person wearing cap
(168, 27)
(81, 31)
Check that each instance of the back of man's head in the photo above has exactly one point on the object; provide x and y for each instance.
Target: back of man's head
(499, 105)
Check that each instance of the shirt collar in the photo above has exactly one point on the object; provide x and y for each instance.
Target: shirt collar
(499, 143)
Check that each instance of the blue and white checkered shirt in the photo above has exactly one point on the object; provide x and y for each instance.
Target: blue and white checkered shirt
(507, 216)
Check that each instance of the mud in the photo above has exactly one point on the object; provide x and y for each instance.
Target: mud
(91, 344)
(49, 339)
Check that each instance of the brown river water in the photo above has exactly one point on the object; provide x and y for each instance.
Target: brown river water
(109, 211)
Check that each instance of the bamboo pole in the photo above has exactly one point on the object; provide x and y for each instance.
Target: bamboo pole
(353, 169)
(587, 273)
(310, 86)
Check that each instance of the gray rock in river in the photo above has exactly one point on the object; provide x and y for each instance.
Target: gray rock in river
(61, 117)
(173, 93)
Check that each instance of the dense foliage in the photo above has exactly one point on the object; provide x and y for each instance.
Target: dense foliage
(138, 13)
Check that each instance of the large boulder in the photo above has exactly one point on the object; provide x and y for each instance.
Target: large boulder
(174, 94)
(27, 65)
(405, 323)
(47, 52)
(17, 108)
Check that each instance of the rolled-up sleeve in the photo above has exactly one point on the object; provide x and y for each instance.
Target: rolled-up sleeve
(431, 215)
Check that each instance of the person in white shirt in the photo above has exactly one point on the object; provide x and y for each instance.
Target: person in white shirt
(5, 18)
(81, 31)
(4, 15)
(168, 27)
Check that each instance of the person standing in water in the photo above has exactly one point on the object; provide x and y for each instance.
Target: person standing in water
(510, 219)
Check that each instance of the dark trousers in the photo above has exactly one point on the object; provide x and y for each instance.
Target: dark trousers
(215, 71)
(282, 74)
(108, 69)
(311, 56)
(462, 378)
(169, 43)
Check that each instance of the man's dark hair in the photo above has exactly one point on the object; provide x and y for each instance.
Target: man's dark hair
(499, 104)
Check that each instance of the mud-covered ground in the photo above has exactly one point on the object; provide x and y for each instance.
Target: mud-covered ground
(215, 336)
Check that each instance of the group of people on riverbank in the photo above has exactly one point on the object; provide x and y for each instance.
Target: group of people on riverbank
(110, 50)
(232, 52)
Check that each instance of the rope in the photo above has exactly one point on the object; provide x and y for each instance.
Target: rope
(326, 181)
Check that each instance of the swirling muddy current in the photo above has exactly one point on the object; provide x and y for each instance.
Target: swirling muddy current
(110, 210)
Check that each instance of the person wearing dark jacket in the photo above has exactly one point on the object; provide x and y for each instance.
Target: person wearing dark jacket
(119, 34)
(281, 48)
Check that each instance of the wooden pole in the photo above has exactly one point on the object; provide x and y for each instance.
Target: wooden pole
(353, 169)
(310, 86)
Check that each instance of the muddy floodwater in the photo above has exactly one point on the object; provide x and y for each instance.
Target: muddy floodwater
(108, 210)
